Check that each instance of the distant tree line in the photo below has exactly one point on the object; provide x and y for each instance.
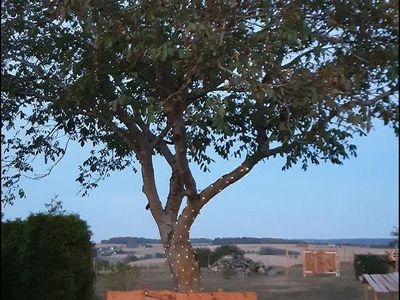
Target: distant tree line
(251, 240)
(136, 241)
(132, 242)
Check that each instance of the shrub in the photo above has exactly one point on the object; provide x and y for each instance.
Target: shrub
(131, 258)
(228, 271)
(225, 250)
(102, 264)
(203, 257)
(277, 251)
(206, 257)
(49, 256)
(159, 255)
(122, 277)
(370, 264)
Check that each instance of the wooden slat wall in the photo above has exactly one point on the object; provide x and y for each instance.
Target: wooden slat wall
(320, 261)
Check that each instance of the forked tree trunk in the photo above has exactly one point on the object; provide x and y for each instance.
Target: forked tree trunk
(183, 265)
(182, 262)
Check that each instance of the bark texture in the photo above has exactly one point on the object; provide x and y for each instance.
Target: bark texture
(183, 264)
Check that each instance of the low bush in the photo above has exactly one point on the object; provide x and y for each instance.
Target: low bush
(122, 277)
(131, 258)
(203, 256)
(159, 255)
(222, 251)
(228, 271)
(102, 264)
(277, 251)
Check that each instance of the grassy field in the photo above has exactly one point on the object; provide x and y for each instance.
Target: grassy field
(279, 287)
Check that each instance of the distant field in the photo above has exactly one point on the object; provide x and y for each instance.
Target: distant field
(345, 253)
(155, 275)
(279, 287)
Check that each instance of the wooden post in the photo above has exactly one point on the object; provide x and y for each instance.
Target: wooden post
(337, 263)
(365, 291)
(287, 261)
(397, 256)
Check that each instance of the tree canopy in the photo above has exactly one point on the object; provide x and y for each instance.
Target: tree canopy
(245, 78)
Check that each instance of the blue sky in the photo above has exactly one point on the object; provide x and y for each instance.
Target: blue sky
(358, 199)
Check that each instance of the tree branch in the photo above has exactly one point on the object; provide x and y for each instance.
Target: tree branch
(176, 194)
(161, 136)
(149, 186)
(239, 172)
(377, 98)
(182, 163)
(160, 145)
(34, 94)
(39, 71)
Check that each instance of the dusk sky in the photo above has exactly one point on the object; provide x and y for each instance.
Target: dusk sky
(358, 199)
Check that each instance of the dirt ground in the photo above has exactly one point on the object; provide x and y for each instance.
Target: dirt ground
(279, 287)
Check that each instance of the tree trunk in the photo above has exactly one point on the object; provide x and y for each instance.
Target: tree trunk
(182, 263)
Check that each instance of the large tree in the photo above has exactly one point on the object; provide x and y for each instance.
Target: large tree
(185, 80)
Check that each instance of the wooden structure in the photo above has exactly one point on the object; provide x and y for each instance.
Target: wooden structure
(170, 295)
(393, 257)
(381, 284)
(319, 261)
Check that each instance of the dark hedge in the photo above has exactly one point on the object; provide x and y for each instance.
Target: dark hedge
(47, 257)
(370, 264)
